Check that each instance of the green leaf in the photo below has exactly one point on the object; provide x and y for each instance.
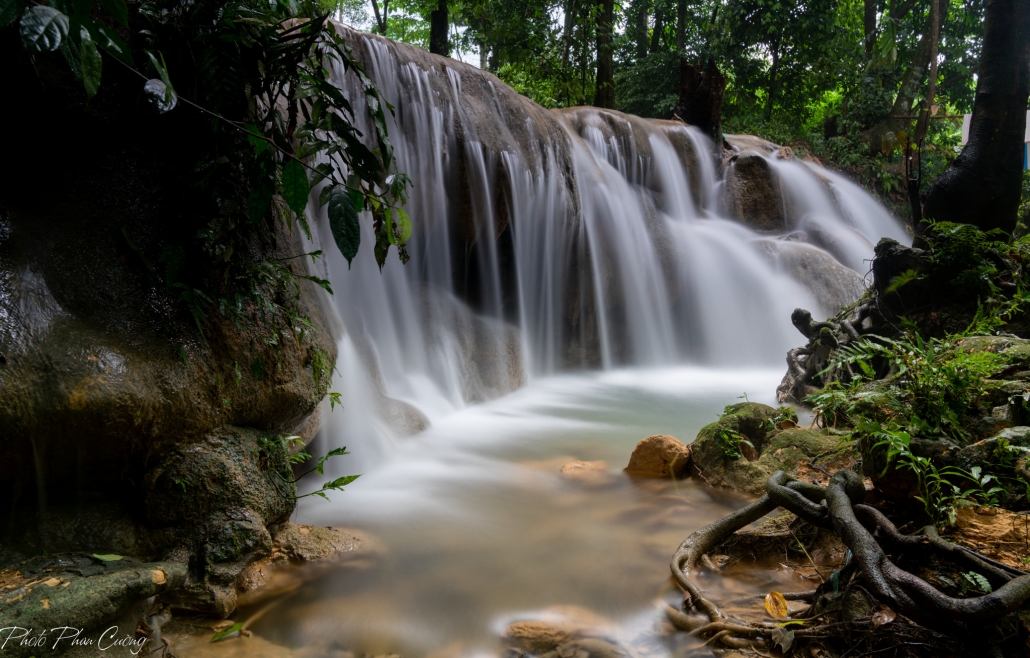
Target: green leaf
(108, 557)
(9, 10)
(296, 188)
(89, 58)
(336, 452)
(400, 228)
(235, 628)
(382, 248)
(108, 40)
(347, 479)
(161, 92)
(358, 199)
(42, 29)
(343, 220)
(118, 10)
(257, 140)
(72, 55)
(334, 399)
(258, 201)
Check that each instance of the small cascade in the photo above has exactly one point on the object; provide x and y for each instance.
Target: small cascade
(583, 238)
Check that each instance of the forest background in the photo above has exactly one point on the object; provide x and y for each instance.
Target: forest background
(838, 80)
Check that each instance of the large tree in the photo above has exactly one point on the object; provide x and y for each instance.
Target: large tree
(604, 94)
(982, 186)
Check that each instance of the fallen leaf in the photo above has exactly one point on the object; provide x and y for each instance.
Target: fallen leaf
(46, 603)
(782, 638)
(776, 605)
(883, 616)
(235, 628)
(788, 424)
(53, 582)
(108, 558)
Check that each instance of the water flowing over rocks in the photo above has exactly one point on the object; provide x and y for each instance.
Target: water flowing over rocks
(543, 241)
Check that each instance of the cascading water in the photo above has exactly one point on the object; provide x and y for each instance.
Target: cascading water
(600, 237)
(593, 255)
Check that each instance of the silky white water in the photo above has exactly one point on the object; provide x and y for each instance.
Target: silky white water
(575, 285)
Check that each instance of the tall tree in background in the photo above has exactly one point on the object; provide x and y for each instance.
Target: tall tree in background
(439, 26)
(381, 17)
(983, 185)
(681, 25)
(604, 94)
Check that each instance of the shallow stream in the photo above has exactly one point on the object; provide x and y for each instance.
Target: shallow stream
(481, 528)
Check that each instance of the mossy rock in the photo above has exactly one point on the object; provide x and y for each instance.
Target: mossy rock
(75, 592)
(773, 449)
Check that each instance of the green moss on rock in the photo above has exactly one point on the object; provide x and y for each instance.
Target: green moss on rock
(774, 449)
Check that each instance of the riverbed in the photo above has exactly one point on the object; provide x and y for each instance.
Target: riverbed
(481, 528)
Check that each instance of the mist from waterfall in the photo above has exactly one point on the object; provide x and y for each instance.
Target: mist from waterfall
(548, 241)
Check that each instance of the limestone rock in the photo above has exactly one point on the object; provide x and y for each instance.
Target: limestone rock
(659, 456)
(832, 284)
(81, 592)
(317, 548)
(557, 626)
(774, 449)
(753, 194)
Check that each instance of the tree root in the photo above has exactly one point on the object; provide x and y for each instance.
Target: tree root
(867, 533)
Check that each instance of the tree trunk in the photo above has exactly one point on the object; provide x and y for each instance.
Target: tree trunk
(681, 25)
(914, 179)
(566, 48)
(910, 84)
(438, 29)
(659, 27)
(982, 186)
(773, 70)
(604, 95)
(700, 101)
(870, 27)
(638, 27)
(381, 19)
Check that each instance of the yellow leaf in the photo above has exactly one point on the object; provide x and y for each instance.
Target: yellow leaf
(776, 605)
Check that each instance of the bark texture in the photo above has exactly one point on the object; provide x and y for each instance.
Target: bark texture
(982, 186)
(438, 27)
(701, 92)
(604, 96)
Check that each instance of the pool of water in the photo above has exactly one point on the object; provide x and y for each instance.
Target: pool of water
(481, 528)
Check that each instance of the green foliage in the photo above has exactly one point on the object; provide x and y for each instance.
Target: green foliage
(942, 491)
(729, 441)
(284, 452)
(226, 632)
(928, 384)
(649, 87)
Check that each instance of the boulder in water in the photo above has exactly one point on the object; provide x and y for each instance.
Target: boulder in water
(832, 284)
(753, 194)
(659, 456)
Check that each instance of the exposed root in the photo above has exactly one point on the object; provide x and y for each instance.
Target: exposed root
(869, 535)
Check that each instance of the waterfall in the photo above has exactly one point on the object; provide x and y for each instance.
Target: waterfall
(553, 240)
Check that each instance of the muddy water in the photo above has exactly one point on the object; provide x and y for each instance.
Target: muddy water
(481, 528)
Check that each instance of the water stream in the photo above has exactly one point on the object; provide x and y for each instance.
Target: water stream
(575, 285)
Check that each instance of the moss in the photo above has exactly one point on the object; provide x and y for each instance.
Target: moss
(774, 449)
(80, 592)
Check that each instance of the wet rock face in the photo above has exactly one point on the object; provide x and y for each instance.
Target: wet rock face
(832, 284)
(753, 194)
(106, 377)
